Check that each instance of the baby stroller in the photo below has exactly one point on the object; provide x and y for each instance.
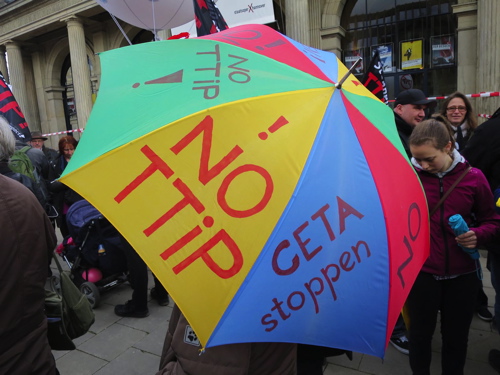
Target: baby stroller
(93, 252)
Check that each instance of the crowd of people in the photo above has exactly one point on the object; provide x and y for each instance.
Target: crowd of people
(458, 163)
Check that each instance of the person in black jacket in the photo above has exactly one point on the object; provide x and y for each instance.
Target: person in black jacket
(63, 196)
(7, 148)
(38, 142)
(409, 110)
(483, 152)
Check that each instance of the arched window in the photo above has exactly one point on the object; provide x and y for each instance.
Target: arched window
(69, 103)
(416, 40)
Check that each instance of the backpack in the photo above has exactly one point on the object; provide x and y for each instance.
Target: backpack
(68, 311)
(21, 163)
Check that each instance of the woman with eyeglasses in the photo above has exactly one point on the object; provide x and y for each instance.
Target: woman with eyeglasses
(458, 110)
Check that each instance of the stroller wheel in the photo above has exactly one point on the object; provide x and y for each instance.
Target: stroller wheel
(91, 292)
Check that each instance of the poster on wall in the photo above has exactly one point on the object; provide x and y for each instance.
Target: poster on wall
(443, 50)
(412, 54)
(235, 13)
(385, 52)
(350, 57)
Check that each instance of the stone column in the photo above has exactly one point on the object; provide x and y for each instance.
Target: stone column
(80, 70)
(315, 23)
(17, 77)
(164, 34)
(331, 40)
(32, 112)
(297, 21)
(100, 40)
(38, 76)
(55, 112)
(3, 64)
(466, 46)
(488, 54)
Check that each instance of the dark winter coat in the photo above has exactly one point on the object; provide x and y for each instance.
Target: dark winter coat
(471, 198)
(27, 239)
(483, 150)
(404, 131)
(181, 355)
(61, 194)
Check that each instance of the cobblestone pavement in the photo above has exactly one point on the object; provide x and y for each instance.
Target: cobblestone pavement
(129, 346)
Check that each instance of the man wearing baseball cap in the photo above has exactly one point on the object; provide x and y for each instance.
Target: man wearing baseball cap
(37, 141)
(409, 110)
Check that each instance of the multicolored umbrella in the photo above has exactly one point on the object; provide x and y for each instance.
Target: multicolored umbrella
(272, 205)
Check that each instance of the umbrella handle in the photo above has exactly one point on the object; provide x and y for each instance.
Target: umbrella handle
(338, 85)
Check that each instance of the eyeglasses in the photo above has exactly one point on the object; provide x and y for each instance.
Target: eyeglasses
(68, 149)
(460, 108)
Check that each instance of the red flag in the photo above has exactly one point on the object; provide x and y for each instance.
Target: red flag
(11, 111)
(208, 18)
(374, 78)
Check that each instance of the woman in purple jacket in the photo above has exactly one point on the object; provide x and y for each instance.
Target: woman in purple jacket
(448, 281)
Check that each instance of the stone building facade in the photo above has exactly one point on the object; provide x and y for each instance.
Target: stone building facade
(49, 48)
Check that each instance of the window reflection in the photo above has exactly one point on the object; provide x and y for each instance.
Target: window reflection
(373, 23)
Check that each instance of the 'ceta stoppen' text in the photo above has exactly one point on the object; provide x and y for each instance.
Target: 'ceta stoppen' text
(282, 309)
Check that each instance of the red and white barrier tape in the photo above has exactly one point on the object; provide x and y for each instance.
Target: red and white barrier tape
(484, 115)
(485, 94)
(64, 132)
(480, 95)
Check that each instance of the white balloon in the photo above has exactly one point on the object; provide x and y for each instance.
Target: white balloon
(167, 13)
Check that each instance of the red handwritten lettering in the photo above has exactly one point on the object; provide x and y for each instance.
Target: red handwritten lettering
(315, 288)
(346, 210)
(295, 260)
(183, 241)
(268, 192)
(206, 174)
(203, 254)
(157, 164)
(188, 199)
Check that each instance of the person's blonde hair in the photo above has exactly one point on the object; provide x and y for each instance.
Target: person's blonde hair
(7, 140)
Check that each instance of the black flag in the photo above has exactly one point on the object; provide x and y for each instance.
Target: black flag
(208, 18)
(374, 79)
(11, 111)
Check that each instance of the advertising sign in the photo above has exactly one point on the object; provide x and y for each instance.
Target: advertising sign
(350, 57)
(443, 50)
(235, 13)
(412, 54)
(385, 52)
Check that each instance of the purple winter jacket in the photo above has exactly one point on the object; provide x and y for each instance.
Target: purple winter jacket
(471, 197)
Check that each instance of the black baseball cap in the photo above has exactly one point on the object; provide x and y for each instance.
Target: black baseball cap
(414, 96)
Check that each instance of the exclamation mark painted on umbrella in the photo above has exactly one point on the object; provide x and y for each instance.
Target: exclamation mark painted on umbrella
(171, 78)
(277, 43)
(278, 124)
